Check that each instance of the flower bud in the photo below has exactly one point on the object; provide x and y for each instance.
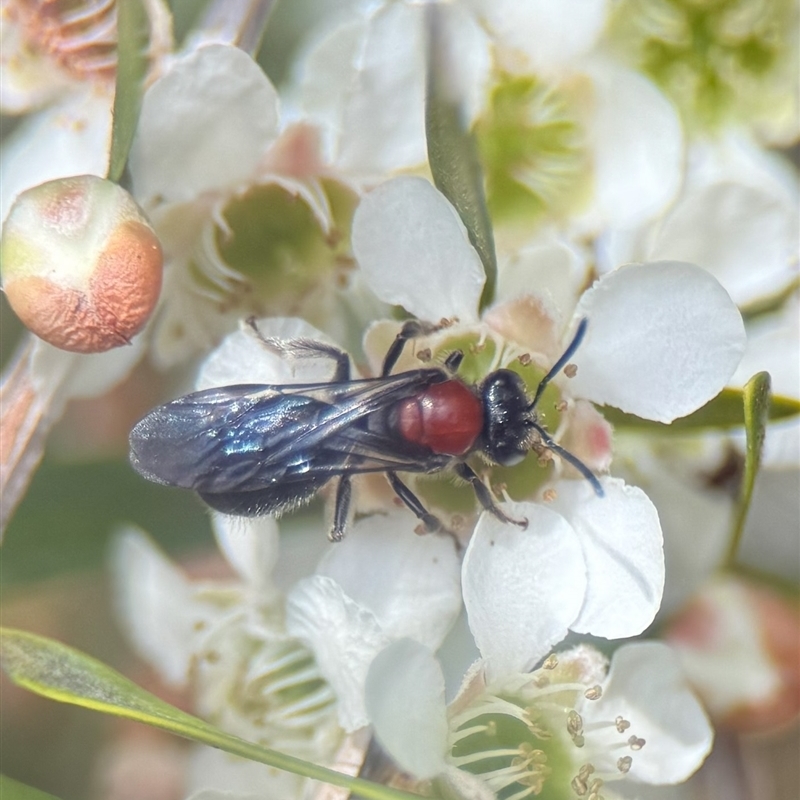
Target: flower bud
(740, 648)
(81, 265)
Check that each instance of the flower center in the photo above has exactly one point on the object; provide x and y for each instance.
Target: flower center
(715, 59)
(528, 734)
(532, 150)
(273, 688)
(81, 37)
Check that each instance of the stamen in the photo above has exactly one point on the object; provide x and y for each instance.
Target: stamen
(482, 755)
(490, 729)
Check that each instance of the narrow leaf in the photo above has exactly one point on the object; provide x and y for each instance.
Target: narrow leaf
(756, 414)
(133, 39)
(725, 411)
(453, 152)
(51, 669)
(14, 790)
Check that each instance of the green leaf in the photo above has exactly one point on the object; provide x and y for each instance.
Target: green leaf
(14, 790)
(756, 406)
(453, 154)
(133, 39)
(725, 411)
(53, 670)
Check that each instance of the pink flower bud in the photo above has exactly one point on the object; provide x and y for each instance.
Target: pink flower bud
(81, 265)
(740, 648)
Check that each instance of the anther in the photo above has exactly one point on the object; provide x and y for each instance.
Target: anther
(635, 743)
(549, 495)
(525, 359)
(561, 406)
(551, 662)
(571, 370)
(575, 728)
(579, 786)
(580, 783)
(624, 764)
(622, 724)
(593, 693)
(424, 355)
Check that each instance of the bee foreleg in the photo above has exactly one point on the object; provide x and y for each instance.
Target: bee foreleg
(412, 329)
(463, 470)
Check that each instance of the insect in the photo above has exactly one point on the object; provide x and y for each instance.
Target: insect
(264, 449)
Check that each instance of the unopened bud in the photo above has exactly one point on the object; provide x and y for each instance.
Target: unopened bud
(81, 265)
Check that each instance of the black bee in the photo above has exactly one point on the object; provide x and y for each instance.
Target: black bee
(260, 449)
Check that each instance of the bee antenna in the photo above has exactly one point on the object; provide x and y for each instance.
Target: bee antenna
(562, 362)
(567, 456)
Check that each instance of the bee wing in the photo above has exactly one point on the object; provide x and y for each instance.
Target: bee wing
(238, 438)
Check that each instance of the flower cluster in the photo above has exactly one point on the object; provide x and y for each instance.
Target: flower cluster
(627, 204)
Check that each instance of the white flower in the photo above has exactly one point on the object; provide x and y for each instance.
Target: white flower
(59, 68)
(249, 676)
(587, 564)
(567, 725)
(662, 340)
(599, 120)
(381, 584)
(250, 218)
(748, 201)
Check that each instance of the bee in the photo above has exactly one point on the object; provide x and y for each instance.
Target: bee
(255, 449)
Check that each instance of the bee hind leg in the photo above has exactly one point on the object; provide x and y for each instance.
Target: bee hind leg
(305, 348)
(431, 522)
(341, 509)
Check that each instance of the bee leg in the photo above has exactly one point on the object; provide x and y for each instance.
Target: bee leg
(412, 329)
(463, 470)
(341, 509)
(305, 348)
(432, 523)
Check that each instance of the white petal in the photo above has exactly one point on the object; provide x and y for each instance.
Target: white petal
(549, 267)
(670, 479)
(637, 144)
(366, 78)
(215, 775)
(405, 702)
(773, 345)
(623, 547)
(68, 375)
(204, 125)
(411, 583)
(344, 636)
(153, 601)
(550, 35)
(414, 251)
(663, 339)
(746, 239)
(522, 589)
(647, 687)
(250, 547)
(70, 138)
(243, 358)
